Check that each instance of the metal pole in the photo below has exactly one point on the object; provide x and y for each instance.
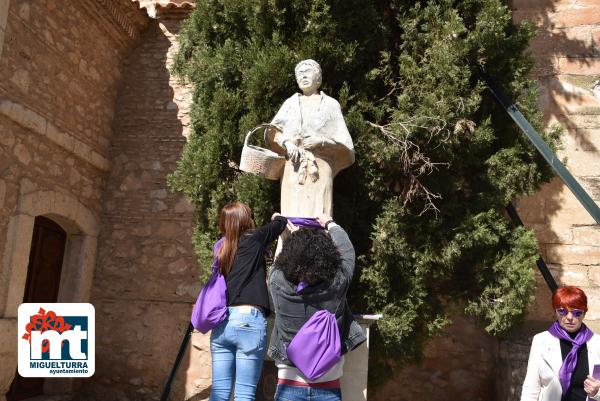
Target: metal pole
(537, 141)
(180, 354)
(543, 268)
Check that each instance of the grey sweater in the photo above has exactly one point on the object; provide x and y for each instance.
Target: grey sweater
(293, 310)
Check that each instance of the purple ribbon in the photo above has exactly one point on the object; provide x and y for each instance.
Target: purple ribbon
(301, 285)
(309, 222)
(568, 366)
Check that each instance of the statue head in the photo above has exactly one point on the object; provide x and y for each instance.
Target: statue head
(308, 76)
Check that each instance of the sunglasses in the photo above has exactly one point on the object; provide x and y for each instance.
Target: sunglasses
(574, 312)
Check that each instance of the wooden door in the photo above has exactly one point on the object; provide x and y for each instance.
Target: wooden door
(43, 280)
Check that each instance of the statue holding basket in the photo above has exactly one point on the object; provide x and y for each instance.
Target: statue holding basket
(309, 129)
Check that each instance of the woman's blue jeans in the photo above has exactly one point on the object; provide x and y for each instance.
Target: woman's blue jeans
(295, 393)
(237, 346)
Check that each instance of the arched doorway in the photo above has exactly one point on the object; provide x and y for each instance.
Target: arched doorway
(42, 285)
(82, 227)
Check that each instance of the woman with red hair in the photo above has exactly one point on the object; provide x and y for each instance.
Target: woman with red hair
(562, 359)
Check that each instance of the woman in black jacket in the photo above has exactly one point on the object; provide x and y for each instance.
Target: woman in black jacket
(237, 344)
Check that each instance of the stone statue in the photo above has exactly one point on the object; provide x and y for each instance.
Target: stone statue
(316, 141)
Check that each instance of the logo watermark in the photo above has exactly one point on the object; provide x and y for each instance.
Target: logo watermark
(56, 340)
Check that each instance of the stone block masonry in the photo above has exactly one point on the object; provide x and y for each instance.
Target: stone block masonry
(60, 66)
(147, 274)
(51, 67)
(567, 63)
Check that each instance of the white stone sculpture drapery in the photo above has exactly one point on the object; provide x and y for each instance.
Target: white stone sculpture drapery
(313, 123)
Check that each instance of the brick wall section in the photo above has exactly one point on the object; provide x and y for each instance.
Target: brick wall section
(511, 367)
(59, 71)
(48, 97)
(29, 163)
(63, 59)
(147, 275)
(459, 365)
(3, 20)
(34, 102)
(567, 63)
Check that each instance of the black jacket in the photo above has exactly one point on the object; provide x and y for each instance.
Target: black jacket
(246, 281)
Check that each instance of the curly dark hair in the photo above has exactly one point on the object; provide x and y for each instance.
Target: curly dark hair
(309, 255)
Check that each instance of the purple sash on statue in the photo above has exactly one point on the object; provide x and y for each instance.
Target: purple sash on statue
(211, 306)
(570, 363)
(301, 285)
(309, 222)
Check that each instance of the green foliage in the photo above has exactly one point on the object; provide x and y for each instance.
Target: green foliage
(437, 157)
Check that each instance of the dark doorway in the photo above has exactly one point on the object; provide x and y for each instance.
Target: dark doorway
(43, 280)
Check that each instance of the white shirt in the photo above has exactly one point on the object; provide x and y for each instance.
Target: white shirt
(291, 373)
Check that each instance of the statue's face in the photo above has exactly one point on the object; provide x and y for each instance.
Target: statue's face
(308, 79)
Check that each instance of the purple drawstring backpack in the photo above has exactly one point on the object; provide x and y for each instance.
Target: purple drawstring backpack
(316, 347)
(211, 306)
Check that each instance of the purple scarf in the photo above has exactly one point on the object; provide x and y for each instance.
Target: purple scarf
(568, 366)
(301, 286)
(309, 222)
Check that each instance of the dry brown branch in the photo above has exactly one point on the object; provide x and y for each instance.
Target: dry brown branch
(413, 161)
(394, 88)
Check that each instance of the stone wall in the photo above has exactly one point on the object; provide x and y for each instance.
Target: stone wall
(3, 21)
(459, 365)
(59, 70)
(147, 275)
(62, 59)
(567, 64)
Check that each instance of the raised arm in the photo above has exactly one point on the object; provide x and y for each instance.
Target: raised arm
(344, 246)
(342, 242)
(269, 232)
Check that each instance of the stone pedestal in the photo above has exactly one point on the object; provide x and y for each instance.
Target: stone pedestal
(356, 365)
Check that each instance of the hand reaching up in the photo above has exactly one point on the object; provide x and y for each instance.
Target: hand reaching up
(323, 219)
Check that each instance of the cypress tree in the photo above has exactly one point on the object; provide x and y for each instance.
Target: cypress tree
(437, 159)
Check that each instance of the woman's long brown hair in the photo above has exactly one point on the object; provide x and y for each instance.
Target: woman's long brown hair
(235, 219)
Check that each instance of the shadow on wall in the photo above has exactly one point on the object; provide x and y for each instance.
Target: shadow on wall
(147, 274)
(567, 64)
(444, 373)
(566, 50)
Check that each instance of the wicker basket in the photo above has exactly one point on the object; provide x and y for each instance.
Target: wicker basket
(262, 162)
